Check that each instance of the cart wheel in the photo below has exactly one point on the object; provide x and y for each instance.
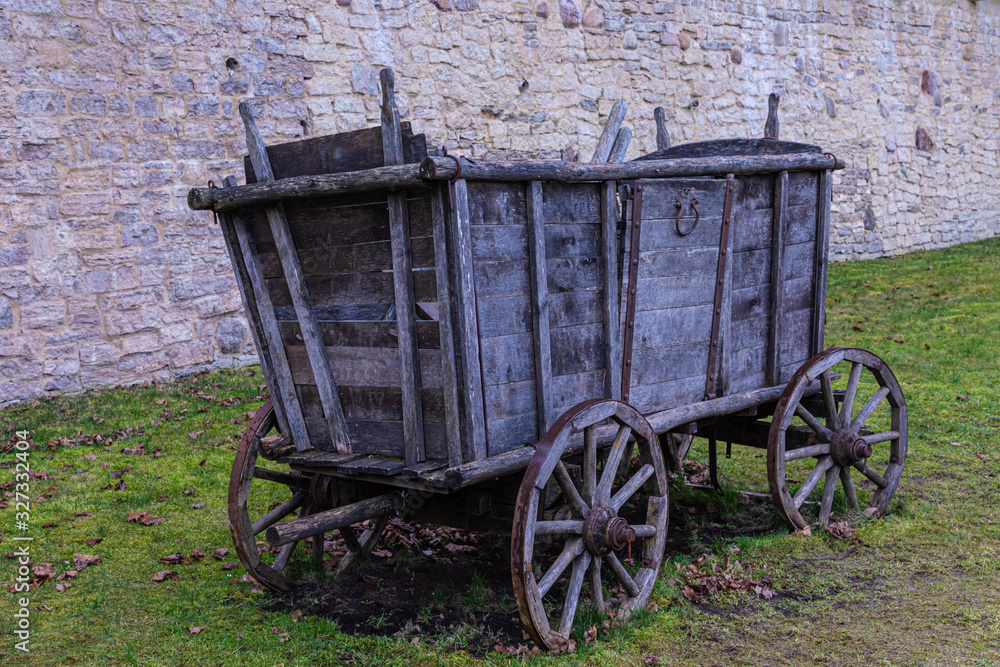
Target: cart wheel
(603, 521)
(847, 440)
(253, 488)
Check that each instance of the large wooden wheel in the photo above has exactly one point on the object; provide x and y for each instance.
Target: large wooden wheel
(847, 442)
(261, 496)
(609, 517)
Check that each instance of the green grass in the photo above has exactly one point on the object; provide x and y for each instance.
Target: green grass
(923, 588)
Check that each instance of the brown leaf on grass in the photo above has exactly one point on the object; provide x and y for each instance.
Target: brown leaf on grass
(194, 434)
(163, 575)
(590, 635)
(219, 554)
(172, 559)
(50, 524)
(43, 607)
(188, 492)
(228, 566)
(197, 554)
(161, 499)
(83, 514)
(296, 616)
(459, 548)
(651, 660)
(195, 630)
(152, 520)
(121, 485)
(197, 506)
(701, 584)
(842, 529)
(89, 457)
(160, 401)
(44, 570)
(94, 542)
(806, 531)
(68, 574)
(980, 456)
(382, 553)
(135, 516)
(82, 561)
(63, 587)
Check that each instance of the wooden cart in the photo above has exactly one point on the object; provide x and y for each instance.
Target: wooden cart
(527, 346)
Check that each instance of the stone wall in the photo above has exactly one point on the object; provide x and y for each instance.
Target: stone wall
(110, 111)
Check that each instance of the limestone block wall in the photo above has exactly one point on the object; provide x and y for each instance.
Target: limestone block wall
(111, 110)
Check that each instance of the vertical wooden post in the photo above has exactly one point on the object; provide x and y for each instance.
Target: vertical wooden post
(662, 136)
(446, 330)
(272, 335)
(771, 126)
(299, 291)
(239, 263)
(611, 305)
(540, 308)
(402, 279)
(610, 133)
(775, 308)
(822, 259)
(726, 316)
(468, 326)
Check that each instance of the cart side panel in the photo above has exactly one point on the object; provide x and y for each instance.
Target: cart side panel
(501, 221)
(345, 254)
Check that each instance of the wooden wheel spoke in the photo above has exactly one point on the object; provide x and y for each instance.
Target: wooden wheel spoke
(596, 586)
(869, 407)
(574, 547)
(631, 486)
(569, 490)
(580, 566)
(611, 466)
(279, 512)
(829, 488)
(848, 484)
(644, 530)
(623, 577)
(875, 438)
(812, 480)
(806, 452)
(822, 432)
(280, 478)
(851, 392)
(350, 539)
(871, 474)
(590, 464)
(558, 528)
(283, 555)
(832, 418)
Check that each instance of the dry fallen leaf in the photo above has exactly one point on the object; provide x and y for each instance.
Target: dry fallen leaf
(228, 566)
(83, 514)
(590, 635)
(94, 542)
(197, 554)
(163, 575)
(152, 520)
(219, 554)
(197, 506)
(63, 587)
(81, 561)
(459, 548)
(194, 435)
(43, 607)
(195, 630)
(172, 559)
(44, 570)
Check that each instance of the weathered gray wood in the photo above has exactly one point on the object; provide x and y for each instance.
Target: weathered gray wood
(724, 370)
(468, 326)
(569, 203)
(285, 385)
(610, 133)
(245, 285)
(610, 302)
(449, 369)
(377, 403)
(565, 241)
(352, 289)
(777, 277)
(360, 333)
(821, 262)
(662, 136)
(771, 126)
(299, 292)
(540, 307)
(382, 437)
(620, 147)
(365, 367)
(578, 349)
(402, 271)
(354, 258)
(496, 203)
(372, 465)
(334, 519)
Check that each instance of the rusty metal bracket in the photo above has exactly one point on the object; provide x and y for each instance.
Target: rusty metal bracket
(680, 209)
(633, 279)
(720, 278)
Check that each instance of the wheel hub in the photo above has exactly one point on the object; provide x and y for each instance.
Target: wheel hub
(848, 447)
(605, 531)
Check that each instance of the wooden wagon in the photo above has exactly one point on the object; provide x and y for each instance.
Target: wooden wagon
(527, 346)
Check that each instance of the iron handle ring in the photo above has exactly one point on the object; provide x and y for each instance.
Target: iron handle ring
(677, 222)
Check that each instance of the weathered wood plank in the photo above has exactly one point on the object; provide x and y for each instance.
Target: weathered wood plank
(299, 292)
(565, 241)
(446, 335)
(659, 198)
(574, 274)
(502, 278)
(366, 366)
(245, 285)
(499, 242)
(670, 362)
(610, 301)
(667, 262)
(723, 370)
(662, 135)
(674, 292)
(362, 334)
(571, 202)
(357, 258)
(777, 274)
(821, 262)
(375, 403)
(350, 289)
(372, 465)
(510, 400)
(272, 336)
(605, 143)
(661, 233)
(496, 203)
(402, 272)
(504, 316)
(467, 325)
(512, 432)
(568, 390)
(508, 359)
(688, 325)
(771, 126)
(731, 147)
(578, 349)
(541, 339)
(665, 395)
(383, 437)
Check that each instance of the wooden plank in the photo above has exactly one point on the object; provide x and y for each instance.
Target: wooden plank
(564, 241)
(374, 403)
(568, 390)
(502, 278)
(662, 136)
(350, 289)
(541, 338)
(512, 432)
(574, 274)
(372, 465)
(571, 202)
(382, 437)
(665, 395)
(468, 326)
(731, 147)
(610, 301)
(724, 370)
(504, 316)
(821, 262)
(666, 262)
(660, 233)
(356, 258)
(510, 399)
(508, 359)
(402, 271)
(771, 126)
(777, 277)
(299, 292)
(499, 242)
(675, 292)
(318, 457)
(670, 362)
(361, 333)
(449, 368)
(366, 366)
(578, 349)
(607, 140)
(686, 325)
(250, 308)
(272, 336)
(496, 203)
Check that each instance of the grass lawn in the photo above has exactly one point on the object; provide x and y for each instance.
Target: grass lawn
(921, 588)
